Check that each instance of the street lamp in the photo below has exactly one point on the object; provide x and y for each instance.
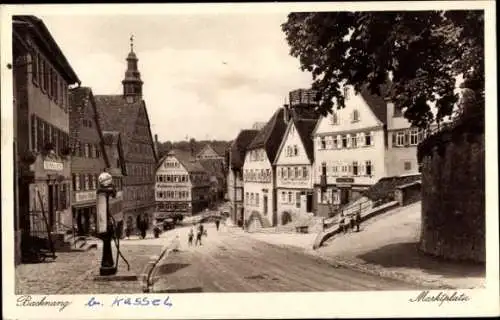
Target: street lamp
(104, 225)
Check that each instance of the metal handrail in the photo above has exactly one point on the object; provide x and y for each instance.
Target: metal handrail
(348, 210)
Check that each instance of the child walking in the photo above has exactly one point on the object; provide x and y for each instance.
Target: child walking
(190, 237)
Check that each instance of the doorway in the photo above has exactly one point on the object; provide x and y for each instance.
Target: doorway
(344, 195)
(51, 209)
(309, 200)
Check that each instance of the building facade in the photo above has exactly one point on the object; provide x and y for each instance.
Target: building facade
(88, 159)
(258, 174)
(235, 188)
(182, 186)
(116, 167)
(358, 145)
(127, 114)
(41, 79)
(294, 175)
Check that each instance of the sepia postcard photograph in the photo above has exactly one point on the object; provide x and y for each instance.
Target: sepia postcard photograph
(272, 160)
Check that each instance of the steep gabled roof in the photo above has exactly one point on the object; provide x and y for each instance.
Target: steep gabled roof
(37, 28)
(82, 99)
(269, 137)
(239, 147)
(186, 159)
(112, 139)
(116, 114)
(377, 103)
(214, 167)
(305, 128)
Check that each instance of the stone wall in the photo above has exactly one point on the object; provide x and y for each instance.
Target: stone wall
(453, 193)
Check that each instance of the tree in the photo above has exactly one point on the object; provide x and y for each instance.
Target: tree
(424, 51)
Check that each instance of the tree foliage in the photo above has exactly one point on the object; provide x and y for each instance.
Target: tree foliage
(424, 51)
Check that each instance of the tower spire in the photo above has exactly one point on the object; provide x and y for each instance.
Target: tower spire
(132, 83)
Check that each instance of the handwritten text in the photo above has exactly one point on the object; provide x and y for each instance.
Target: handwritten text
(440, 297)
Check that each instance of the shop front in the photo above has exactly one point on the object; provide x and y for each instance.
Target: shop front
(84, 212)
(44, 190)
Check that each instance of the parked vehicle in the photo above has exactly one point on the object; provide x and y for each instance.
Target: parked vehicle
(168, 224)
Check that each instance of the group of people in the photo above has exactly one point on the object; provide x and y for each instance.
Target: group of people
(354, 222)
(200, 232)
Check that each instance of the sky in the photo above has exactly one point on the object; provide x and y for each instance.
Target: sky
(206, 76)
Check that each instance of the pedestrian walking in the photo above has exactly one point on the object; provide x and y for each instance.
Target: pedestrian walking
(358, 221)
(217, 223)
(190, 237)
(351, 222)
(199, 234)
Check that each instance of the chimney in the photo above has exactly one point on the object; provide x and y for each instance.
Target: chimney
(156, 144)
(286, 112)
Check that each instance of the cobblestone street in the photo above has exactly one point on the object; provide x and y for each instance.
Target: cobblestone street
(73, 272)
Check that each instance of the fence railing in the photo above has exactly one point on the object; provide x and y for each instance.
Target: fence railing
(347, 211)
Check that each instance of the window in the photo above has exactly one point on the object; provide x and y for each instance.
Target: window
(344, 141)
(334, 119)
(85, 181)
(323, 143)
(86, 149)
(400, 139)
(296, 172)
(35, 68)
(355, 116)
(368, 168)
(295, 151)
(289, 173)
(33, 132)
(304, 172)
(264, 200)
(252, 198)
(257, 199)
(323, 169)
(44, 75)
(407, 165)
(297, 199)
(368, 139)
(414, 137)
(355, 168)
(290, 200)
(354, 141)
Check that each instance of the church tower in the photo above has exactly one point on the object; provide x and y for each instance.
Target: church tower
(132, 84)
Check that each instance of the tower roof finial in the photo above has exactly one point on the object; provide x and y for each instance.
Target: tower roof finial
(132, 43)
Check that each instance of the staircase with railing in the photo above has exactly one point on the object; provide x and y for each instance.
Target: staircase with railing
(348, 211)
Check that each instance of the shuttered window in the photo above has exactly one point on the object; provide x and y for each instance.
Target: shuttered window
(40, 134)
(34, 121)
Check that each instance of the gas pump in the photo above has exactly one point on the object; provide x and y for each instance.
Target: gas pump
(106, 225)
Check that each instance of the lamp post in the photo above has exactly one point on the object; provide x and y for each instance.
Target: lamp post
(104, 226)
